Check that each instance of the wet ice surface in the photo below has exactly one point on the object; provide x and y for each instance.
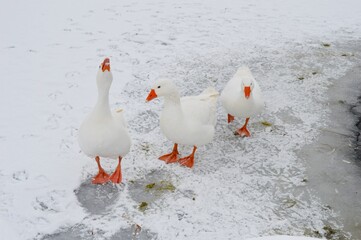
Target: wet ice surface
(333, 161)
(97, 198)
(238, 188)
(74, 232)
(100, 199)
(150, 188)
(134, 232)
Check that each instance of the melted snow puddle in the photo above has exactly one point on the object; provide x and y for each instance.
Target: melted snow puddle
(333, 167)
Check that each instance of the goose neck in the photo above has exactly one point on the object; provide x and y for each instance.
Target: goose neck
(172, 100)
(102, 105)
(172, 106)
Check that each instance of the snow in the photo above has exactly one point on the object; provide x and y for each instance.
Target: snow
(241, 188)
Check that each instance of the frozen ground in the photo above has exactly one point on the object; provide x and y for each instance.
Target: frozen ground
(239, 188)
(333, 161)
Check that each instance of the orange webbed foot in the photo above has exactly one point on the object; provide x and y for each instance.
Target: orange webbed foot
(189, 160)
(116, 177)
(171, 157)
(243, 132)
(101, 178)
(230, 118)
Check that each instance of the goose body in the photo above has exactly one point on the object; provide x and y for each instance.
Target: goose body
(186, 120)
(103, 133)
(242, 97)
(190, 120)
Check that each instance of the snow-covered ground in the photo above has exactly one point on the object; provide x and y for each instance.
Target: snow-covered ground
(238, 188)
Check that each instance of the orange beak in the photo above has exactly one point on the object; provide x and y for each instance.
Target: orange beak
(247, 92)
(106, 65)
(151, 95)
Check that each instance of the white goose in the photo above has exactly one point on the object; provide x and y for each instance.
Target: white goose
(104, 134)
(188, 120)
(242, 97)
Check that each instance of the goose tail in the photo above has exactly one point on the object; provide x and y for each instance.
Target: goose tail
(211, 93)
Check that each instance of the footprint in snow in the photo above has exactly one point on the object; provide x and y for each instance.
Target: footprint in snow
(20, 175)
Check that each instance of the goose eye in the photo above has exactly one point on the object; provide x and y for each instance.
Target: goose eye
(158, 86)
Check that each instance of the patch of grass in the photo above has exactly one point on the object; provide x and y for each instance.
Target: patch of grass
(301, 78)
(314, 73)
(150, 186)
(143, 206)
(312, 233)
(162, 186)
(266, 124)
(329, 231)
(326, 44)
(166, 186)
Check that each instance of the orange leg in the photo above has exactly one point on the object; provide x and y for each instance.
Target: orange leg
(230, 118)
(116, 177)
(102, 176)
(189, 160)
(243, 131)
(171, 157)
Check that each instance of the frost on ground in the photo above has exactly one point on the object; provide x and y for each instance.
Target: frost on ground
(238, 188)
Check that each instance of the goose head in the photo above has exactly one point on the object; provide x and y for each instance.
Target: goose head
(163, 88)
(247, 87)
(104, 75)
